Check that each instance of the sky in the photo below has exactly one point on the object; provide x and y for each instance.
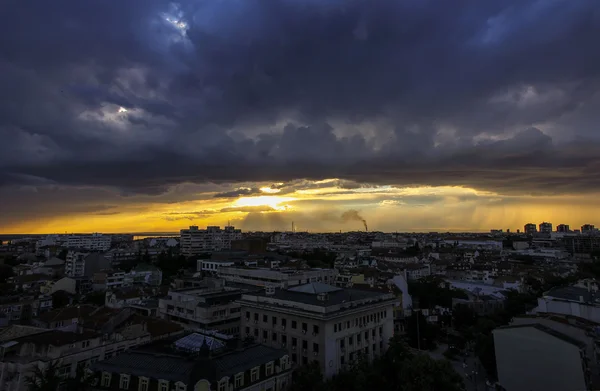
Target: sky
(414, 115)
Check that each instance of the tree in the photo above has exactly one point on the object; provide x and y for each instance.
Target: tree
(308, 377)
(6, 272)
(420, 333)
(44, 379)
(83, 380)
(463, 317)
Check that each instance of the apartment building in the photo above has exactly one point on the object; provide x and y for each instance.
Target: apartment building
(320, 322)
(194, 241)
(204, 308)
(281, 277)
(80, 264)
(93, 242)
(545, 227)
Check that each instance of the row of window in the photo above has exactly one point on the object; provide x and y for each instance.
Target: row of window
(354, 355)
(143, 383)
(283, 339)
(360, 321)
(358, 337)
(283, 322)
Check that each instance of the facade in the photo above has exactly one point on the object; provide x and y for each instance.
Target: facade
(281, 278)
(545, 228)
(93, 242)
(251, 368)
(320, 322)
(214, 309)
(571, 301)
(535, 357)
(563, 228)
(194, 241)
(80, 264)
(530, 229)
(212, 265)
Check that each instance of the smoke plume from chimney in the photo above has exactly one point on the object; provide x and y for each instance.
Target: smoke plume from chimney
(353, 215)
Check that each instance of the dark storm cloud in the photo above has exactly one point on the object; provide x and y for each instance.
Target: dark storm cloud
(143, 95)
(242, 191)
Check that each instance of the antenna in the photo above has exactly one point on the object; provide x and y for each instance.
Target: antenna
(292, 226)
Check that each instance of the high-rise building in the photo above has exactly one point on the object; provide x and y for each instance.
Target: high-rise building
(563, 228)
(545, 227)
(587, 228)
(319, 322)
(530, 228)
(195, 241)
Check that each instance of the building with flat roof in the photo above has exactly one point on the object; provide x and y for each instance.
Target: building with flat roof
(320, 322)
(205, 308)
(194, 241)
(279, 277)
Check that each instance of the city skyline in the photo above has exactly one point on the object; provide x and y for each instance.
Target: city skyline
(152, 116)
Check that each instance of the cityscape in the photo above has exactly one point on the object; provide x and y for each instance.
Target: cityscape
(299, 195)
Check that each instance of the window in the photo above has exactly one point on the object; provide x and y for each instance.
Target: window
(283, 339)
(294, 342)
(294, 358)
(358, 336)
(274, 337)
(105, 379)
(274, 321)
(124, 383)
(265, 334)
(366, 335)
(223, 385)
(247, 330)
(179, 386)
(294, 324)
(265, 318)
(304, 360)
(143, 386)
(315, 329)
(239, 380)
(163, 385)
(283, 322)
(269, 369)
(342, 343)
(254, 375)
(342, 360)
(380, 331)
(304, 327)
(256, 333)
(315, 347)
(248, 314)
(335, 328)
(351, 340)
(304, 344)
(283, 363)
(256, 317)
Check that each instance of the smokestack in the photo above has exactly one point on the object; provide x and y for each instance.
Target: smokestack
(366, 227)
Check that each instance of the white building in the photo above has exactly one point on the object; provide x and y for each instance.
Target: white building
(212, 265)
(93, 242)
(572, 300)
(195, 241)
(320, 322)
(281, 278)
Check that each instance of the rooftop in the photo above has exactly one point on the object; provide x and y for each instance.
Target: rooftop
(548, 331)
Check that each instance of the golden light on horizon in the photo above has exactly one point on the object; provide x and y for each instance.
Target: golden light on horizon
(270, 201)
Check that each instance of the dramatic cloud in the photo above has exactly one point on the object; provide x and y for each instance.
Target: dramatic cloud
(135, 98)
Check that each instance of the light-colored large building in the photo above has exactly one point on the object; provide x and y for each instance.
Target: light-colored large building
(320, 322)
(93, 242)
(194, 241)
(533, 357)
(209, 308)
(280, 277)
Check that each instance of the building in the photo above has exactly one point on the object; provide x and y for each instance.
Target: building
(320, 322)
(80, 264)
(530, 229)
(194, 241)
(571, 300)
(146, 274)
(545, 228)
(536, 357)
(212, 307)
(281, 277)
(110, 279)
(93, 242)
(211, 266)
(196, 363)
(563, 228)
(250, 245)
(588, 228)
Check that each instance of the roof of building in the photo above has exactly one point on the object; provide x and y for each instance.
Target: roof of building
(67, 313)
(547, 330)
(175, 367)
(572, 293)
(315, 288)
(54, 262)
(334, 297)
(57, 337)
